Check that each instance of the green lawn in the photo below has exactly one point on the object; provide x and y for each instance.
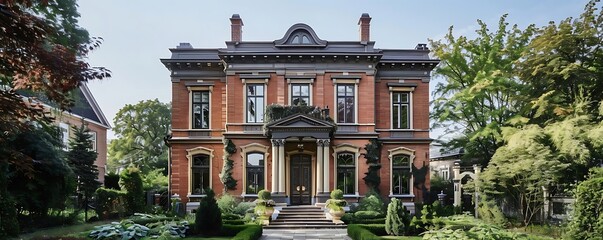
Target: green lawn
(63, 231)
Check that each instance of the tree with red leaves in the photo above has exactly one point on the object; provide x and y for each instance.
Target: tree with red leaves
(42, 50)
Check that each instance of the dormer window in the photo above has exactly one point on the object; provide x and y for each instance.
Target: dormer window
(300, 38)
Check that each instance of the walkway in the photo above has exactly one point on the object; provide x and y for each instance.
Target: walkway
(307, 234)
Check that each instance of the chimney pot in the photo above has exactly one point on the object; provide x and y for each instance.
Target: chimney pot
(365, 27)
(236, 28)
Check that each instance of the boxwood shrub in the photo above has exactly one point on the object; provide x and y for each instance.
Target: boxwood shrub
(358, 232)
(251, 232)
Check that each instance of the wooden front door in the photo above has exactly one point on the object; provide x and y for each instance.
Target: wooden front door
(301, 179)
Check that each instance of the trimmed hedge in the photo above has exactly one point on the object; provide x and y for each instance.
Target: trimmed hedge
(234, 222)
(368, 214)
(145, 221)
(251, 232)
(110, 203)
(350, 218)
(358, 232)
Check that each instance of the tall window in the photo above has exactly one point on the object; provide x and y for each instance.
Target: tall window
(400, 110)
(93, 139)
(64, 134)
(346, 173)
(200, 174)
(201, 110)
(255, 173)
(300, 94)
(345, 103)
(255, 103)
(401, 174)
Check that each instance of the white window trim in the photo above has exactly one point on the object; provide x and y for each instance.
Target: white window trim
(94, 139)
(189, 155)
(346, 81)
(410, 91)
(253, 148)
(348, 148)
(309, 81)
(411, 155)
(190, 105)
(65, 134)
(253, 81)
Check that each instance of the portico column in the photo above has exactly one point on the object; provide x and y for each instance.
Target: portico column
(281, 166)
(325, 151)
(319, 166)
(274, 185)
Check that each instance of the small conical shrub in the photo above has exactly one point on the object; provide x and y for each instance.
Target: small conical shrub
(209, 218)
(393, 222)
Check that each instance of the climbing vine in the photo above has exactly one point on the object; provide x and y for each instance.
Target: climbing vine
(373, 160)
(226, 175)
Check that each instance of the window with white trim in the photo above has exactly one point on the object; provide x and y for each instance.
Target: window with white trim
(346, 172)
(64, 135)
(200, 174)
(401, 175)
(255, 103)
(300, 94)
(255, 172)
(445, 173)
(400, 110)
(346, 103)
(201, 111)
(93, 140)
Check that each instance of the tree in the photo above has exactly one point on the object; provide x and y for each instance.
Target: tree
(140, 129)
(226, 175)
(208, 217)
(43, 50)
(393, 222)
(81, 158)
(521, 168)
(480, 92)
(131, 182)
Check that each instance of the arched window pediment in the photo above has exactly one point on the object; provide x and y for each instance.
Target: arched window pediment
(300, 35)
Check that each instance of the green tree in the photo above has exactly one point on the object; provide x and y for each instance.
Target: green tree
(81, 158)
(393, 222)
(208, 217)
(587, 222)
(140, 130)
(521, 168)
(227, 165)
(480, 91)
(131, 182)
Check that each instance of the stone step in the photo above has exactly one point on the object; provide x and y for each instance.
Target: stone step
(301, 213)
(300, 216)
(301, 222)
(291, 226)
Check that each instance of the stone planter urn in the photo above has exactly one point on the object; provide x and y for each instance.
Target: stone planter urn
(336, 214)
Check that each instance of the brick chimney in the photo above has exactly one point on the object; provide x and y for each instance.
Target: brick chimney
(365, 27)
(236, 28)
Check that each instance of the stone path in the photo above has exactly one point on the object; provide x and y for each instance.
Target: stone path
(305, 234)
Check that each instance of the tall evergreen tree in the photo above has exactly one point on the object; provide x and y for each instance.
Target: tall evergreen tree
(81, 159)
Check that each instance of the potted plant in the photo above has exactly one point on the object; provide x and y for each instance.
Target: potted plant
(264, 206)
(335, 205)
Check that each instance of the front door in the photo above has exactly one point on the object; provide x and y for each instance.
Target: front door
(301, 179)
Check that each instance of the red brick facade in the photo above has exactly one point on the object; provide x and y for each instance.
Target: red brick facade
(302, 58)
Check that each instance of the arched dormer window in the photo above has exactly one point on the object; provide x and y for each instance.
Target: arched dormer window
(300, 37)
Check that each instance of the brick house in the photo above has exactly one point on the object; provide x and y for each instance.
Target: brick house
(364, 93)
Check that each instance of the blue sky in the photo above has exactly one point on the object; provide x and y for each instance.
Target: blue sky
(138, 33)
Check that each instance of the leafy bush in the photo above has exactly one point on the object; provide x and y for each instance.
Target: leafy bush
(227, 203)
(209, 218)
(9, 225)
(112, 181)
(336, 203)
(372, 202)
(587, 222)
(154, 180)
(243, 207)
(264, 195)
(231, 216)
(123, 230)
(109, 202)
(368, 214)
(393, 223)
(491, 213)
(131, 182)
(483, 231)
(359, 232)
(337, 194)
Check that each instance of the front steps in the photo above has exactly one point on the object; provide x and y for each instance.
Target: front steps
(302, 217)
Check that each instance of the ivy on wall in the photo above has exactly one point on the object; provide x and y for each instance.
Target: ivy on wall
(373, 160)
(228, 164)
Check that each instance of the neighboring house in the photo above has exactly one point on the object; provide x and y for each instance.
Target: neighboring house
(86, 108)
(365, 93)
(441, 161)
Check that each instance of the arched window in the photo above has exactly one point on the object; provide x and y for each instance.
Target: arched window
(255, 172)
(200, 174)
(346, 172)
(401, 174)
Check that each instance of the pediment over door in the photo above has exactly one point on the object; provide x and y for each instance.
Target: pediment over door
(300, 125)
